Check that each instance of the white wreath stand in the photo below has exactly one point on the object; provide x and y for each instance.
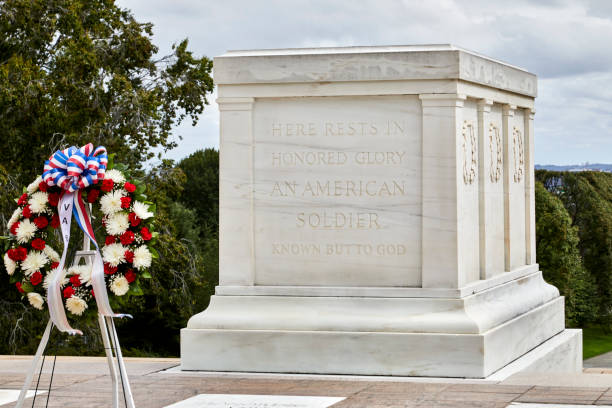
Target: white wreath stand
(109, 338)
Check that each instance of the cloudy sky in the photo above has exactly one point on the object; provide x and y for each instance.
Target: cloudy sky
(565, 43)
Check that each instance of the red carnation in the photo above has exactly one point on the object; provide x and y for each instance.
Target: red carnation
(55, 221)
(125, 202)
(146, 234)
(42, 186)
(68, 292)
(130, 188)
(75, 280)
(18, 284)
(107, 185)
(109, 270)
(53, 199)
(92, 293)
(54, 265)
(14, 227)
(36, 278)
(92, 196)
(26, 211)
(129, 256)
(127, 237)
(23, 199)
(134, 220)
(130, 276)
(42, 222)
(18, 254)
(109, 240)
(38, 243)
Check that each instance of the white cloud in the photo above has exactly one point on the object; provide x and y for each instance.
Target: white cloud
(563, 42)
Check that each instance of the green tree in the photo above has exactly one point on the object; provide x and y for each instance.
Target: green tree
(559, 258)
(75, 71)
(591, 213)
(79, 71)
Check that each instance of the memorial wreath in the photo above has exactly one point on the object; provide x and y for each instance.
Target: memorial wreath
(81, 182)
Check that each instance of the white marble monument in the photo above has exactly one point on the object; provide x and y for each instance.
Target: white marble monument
(377, 217)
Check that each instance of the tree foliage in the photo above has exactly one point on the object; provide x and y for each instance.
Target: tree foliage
(586, 197)
(85, 70)
(79, 71)
(559, 258)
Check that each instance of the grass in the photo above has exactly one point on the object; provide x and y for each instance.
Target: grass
(595, 342)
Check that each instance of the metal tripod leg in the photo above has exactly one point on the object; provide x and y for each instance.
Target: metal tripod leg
(111, 359)
(28, 381)
(127, 391)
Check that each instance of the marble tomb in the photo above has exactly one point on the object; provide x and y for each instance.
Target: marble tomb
(377, 218)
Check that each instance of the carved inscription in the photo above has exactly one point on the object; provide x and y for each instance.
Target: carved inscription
(336, 191)
(518, 155)
(470, 153)
(495, 153)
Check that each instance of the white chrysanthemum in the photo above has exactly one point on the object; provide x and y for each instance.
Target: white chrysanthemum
(9, 264)
(115, 175)
(142, 210)
(113, 254)
(34, 185)
(76, 305)
(50, 252)
(84, 272)
(15, 217)
(35, 261)
(142, 257)
(36, 300)
(110, 203)
(119, 286)
(117, 223)
(38, 202)
(49, 278)
(26, 231)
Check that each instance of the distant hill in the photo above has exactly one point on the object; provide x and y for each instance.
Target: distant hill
(576, 167)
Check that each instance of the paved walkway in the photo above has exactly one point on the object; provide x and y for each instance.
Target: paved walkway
(84, 382)
(600, 361)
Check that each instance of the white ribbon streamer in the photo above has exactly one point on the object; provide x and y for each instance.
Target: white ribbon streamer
(54, 292)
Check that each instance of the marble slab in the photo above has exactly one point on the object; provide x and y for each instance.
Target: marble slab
(8, 396)
(381, 63)
(255, 401)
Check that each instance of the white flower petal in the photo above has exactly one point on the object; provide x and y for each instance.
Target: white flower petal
(26, 231)
(35, 261)
(9, 264)
(114, 254)
(76, 305)
(117, 223)
(142, 257)
(119, 286)
(141, 210)
(110, 203)
(36, 300)
(115, 175)
(38, 202)
(33, 187)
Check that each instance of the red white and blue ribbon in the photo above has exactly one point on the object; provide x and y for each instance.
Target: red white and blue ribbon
(73, 170)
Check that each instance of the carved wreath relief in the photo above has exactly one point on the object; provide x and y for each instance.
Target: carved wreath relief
(496, 154)
(518, 153)
(469, 153)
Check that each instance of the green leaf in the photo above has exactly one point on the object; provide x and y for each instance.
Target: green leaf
(140, 189)
(135, 289)
(146, 275)
(14, 279)
(27, 287)
(111, 161)
(154, 253)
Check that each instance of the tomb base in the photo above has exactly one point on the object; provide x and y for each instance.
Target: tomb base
(471, 336)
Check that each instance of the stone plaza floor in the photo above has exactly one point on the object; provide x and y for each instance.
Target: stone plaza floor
(84, 382)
